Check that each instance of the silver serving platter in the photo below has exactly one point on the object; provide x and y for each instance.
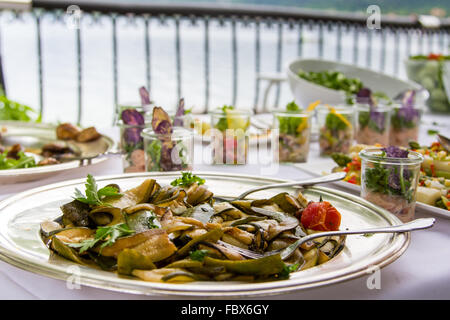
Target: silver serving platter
(35, 135)
(21, 245)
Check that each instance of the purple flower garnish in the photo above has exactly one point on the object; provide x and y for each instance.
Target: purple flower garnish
(132, 117)
(145, 96)
(365, 96)
(178, 121)
(395, 152)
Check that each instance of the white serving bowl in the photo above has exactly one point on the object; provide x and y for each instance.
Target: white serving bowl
(306, 92)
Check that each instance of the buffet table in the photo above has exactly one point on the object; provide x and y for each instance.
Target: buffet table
(422, 272)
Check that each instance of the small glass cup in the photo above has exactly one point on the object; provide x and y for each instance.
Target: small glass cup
(132, 147)
(229, 136)
(372, 124)
(405, 122)
(294, 130)
(186, 121)
(335, 129)
(145, 110)
(391, 182)
(168, 152)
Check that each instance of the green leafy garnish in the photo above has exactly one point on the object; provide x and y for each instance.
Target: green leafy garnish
(287, 269)
(198, 255)
(414, 145)
(186, 179)
(432, 132)
(388, 181)
(292, 125)
(151, 221)
(24, 161)
(108, 235)
(10, 110)
(226, 107)
(333, 122)
(93, 196)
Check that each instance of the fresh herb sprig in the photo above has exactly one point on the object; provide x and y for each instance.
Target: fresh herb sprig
(23, 161)
(94, 196)
(107, 235)
(198, 255)
(151, 221)
(186, 179)
(292, 125)
(287, 270)
(11, 110)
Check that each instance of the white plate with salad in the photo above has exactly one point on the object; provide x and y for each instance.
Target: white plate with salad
(31, 151)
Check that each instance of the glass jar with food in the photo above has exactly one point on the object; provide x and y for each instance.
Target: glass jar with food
(131, 144)
(229, 135)
(372, 124)
(293, 133)
(389, 179)
(405, 123)
(167, 148)
(429, 72)
(336, 129)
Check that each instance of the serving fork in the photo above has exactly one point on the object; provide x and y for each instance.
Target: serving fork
(303, 183)
(418, 224)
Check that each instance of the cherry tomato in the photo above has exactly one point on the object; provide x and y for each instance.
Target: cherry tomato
(352, 180)
(434, 56)
(321, 216)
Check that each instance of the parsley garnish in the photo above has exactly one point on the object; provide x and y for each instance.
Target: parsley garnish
(107, 234)
(287, 269)
(187, 178)
(198, 255)
(94, 196)
(151, 221)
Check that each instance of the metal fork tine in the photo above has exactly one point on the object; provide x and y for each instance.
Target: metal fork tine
(245, 252)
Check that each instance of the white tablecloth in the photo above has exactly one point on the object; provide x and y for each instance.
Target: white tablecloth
(422, 272)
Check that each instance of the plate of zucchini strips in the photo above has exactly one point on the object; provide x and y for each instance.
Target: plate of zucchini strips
(182, 234)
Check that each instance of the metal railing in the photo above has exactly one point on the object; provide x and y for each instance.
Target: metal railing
(334, 36)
